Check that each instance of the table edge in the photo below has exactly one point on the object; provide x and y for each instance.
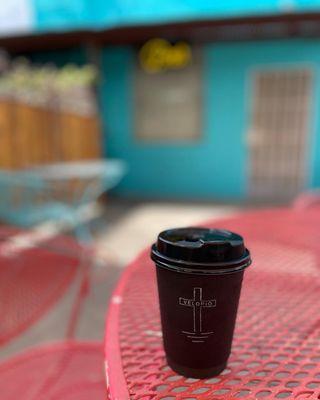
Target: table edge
(115, 379)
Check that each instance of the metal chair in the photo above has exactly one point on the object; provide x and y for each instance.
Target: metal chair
(307, 199)
(60, 193)
(41, 197)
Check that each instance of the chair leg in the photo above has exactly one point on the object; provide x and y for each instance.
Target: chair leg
(82, 293)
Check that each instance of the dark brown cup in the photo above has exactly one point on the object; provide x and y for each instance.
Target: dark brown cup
(199, 275)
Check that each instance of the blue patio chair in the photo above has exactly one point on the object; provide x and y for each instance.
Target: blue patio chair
(32, 196)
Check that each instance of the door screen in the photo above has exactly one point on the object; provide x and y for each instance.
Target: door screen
(278, 134)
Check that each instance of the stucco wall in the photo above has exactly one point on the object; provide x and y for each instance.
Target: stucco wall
(217, 165)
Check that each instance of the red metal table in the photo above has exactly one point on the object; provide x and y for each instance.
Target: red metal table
(33, 278)
(276, 348)
(60, 371)
(34, 274)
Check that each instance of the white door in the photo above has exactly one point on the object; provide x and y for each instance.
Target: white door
(278, 134)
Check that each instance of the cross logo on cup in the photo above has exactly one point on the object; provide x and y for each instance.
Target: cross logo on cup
(197, 303)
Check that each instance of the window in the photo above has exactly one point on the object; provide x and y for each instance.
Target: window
(168, 103)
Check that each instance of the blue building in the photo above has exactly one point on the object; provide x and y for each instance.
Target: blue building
(222, 105)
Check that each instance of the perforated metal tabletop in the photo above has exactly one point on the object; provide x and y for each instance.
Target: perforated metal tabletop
(34, 277)
(64, 370)
(276, 348)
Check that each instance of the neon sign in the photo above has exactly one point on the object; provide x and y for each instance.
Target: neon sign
(158, 55)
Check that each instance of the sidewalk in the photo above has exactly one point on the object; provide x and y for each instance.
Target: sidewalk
(137, 226)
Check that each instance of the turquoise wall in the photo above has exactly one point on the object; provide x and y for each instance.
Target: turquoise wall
(217, 165)
(244, 58)
(133, 12)
(51, 15)
(95, 14)
(172, 169)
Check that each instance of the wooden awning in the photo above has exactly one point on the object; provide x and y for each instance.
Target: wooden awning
(285, 25)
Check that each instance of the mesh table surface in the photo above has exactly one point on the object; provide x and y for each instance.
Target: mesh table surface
(67, 370)
(32, 279)
(276, 348)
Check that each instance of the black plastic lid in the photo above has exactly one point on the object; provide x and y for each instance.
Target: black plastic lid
(200, 250)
